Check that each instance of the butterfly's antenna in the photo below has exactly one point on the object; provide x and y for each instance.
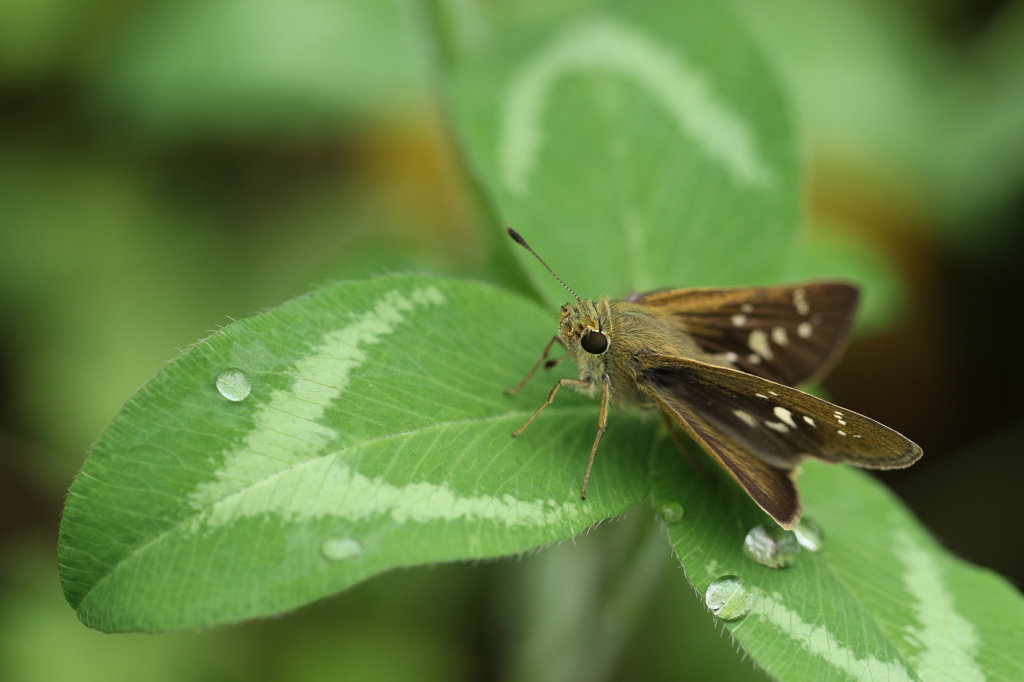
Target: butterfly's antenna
(522, 242)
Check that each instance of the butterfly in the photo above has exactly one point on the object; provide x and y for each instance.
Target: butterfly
(721, 363)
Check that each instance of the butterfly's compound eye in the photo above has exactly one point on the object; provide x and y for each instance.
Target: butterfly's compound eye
(594, 343)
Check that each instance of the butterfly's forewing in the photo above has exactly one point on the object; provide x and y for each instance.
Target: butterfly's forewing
(786, 334)
(759, 430)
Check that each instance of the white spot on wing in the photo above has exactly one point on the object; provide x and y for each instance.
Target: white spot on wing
(784, 415)
(804, 330)
(776, 426)
(800, 301)
(746, 417)
(761, 395)
(809, 420)
(739, 320)
(841, 432)
(779, 336)
(754, 359)
(758, 343)
(747, 308)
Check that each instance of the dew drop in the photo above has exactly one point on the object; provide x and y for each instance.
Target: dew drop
(729, 598)
(234, 385)
(774, 548)
(340, 549)
(809, 535)
(672, 512)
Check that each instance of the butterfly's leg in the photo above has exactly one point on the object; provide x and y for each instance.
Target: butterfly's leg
(679, 444)
(551, 363)
(543, 357)
(551, 396)
(602, 422)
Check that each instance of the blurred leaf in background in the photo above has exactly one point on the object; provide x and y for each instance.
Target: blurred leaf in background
(233, 69)
(138, 219)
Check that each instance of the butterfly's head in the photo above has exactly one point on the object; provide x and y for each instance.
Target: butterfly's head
(581, 326)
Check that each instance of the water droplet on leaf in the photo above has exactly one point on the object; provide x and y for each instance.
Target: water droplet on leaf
(809, 535)
(234, 385)
(672, 512)
(774, 548)
(340, 549)
(729, 598)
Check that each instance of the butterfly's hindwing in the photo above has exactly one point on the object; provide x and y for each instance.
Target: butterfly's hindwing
(759, 430)
(770, 487)
(786, 334)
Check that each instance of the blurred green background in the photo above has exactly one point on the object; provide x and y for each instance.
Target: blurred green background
(166, 167)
